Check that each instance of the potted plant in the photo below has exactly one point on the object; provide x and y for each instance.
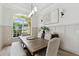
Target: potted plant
(44, 29)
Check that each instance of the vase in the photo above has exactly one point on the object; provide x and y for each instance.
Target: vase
(43, 34)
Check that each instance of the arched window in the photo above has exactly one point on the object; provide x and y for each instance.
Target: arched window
(22, 25)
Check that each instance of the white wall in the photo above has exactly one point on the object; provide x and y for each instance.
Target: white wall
(7, 21)
(8, 13)
(34, 25)
(0, 27)
(68, 27)
(71, 12)
(0, 14)
(69, 36)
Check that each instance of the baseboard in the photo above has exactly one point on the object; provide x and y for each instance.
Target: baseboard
(70, 51)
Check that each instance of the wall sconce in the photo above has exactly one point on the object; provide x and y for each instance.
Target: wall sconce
(41, 20)
(62, 13)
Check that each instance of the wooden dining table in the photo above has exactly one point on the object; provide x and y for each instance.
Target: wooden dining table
(35, 44)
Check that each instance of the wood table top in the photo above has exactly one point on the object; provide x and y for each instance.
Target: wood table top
(34, 44)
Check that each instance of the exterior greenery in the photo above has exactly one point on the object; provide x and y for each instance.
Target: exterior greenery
(17, 28)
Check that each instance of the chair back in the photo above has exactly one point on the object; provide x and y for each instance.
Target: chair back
(53, 46)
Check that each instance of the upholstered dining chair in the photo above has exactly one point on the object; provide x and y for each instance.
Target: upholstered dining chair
(52, 48)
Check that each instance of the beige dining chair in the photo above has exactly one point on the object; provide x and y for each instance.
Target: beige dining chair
(52, 48)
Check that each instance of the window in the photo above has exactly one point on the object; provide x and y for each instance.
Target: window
(21, 25)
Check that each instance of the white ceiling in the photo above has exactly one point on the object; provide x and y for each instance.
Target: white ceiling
(29, 6)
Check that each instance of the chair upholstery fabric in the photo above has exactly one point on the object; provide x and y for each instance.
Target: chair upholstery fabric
(53, 47)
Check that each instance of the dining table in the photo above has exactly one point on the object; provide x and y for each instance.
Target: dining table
(34, 44)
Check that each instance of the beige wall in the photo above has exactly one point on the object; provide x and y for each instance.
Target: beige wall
(0, 38)
(6, 35)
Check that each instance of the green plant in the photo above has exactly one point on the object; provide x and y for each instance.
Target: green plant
(44, 28)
